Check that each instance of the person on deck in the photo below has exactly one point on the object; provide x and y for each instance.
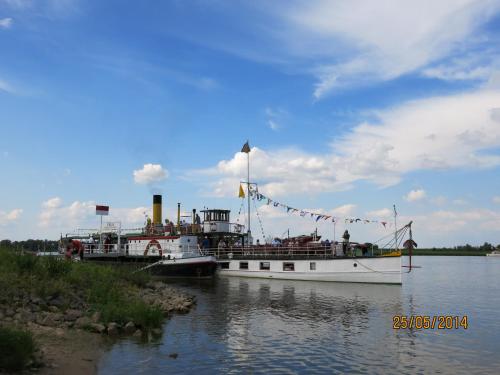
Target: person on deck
(69, 250)
(74, 247)
(345, 242)
(205, 244)
(221, 247)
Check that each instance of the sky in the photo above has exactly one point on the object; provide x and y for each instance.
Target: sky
(350, 107)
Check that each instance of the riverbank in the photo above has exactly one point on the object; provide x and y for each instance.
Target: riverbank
(73, 310)
(447, 252)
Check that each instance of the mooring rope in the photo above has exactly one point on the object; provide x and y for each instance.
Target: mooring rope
(148, 266)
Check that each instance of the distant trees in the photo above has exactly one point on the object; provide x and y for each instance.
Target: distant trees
(31, 245)
(467, 248)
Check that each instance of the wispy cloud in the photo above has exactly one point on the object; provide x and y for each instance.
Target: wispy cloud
(5, 23)
(7, 87)
(7, 217)
(354, 43)
(387, 38)
(276, 117)
(150, 72)
(17, 4)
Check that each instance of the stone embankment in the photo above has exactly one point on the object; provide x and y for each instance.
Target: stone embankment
(71, 334)
(55, 311)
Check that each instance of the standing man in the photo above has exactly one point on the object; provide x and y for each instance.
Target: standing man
(345, 241)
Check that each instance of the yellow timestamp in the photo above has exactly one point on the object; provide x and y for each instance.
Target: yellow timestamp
(430, 322)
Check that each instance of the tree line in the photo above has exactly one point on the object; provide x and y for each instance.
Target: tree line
(31, 245)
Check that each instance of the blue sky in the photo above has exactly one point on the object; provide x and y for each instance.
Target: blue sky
(349, 106)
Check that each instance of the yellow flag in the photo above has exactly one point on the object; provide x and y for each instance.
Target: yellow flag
(241, 193)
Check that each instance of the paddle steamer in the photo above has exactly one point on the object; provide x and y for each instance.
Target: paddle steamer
(166, 250)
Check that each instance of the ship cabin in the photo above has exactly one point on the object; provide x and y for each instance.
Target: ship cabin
(217, 226)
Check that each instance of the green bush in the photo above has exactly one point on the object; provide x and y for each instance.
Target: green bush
(56, 267)
(107, 289)
(16, 349)
(26, 263)
(123, 311)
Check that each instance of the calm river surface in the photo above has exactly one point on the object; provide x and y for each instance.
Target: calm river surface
(291, 327)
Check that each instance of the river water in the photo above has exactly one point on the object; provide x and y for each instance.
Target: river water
(295, 327)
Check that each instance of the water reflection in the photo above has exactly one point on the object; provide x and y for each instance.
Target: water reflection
(277, 326)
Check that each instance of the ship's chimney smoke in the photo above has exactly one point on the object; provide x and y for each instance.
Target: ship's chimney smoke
(157, 210)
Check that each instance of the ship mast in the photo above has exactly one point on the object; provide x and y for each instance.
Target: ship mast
(395, 229)
(246, 150)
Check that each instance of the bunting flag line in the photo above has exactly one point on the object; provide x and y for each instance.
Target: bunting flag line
(256, 195)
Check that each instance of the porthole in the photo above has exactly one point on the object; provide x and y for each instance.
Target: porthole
(355, 264)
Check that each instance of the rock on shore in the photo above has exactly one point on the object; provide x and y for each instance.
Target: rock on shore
(55, 316)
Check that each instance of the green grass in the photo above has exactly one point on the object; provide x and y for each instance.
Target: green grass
(16, 349)
(448, 252)
(109, 290)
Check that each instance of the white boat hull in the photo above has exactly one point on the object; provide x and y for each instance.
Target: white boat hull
(385, 270)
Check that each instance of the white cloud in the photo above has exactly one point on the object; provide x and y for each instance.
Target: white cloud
(5, 23)
(53, 214)
(10, 216)
(150, 173)
(346, 210)
(379, 40)
(496, 199)
(382, 213)
(79, 214)
(469, 221)
(440, 133)
(52, 203)
(415, 195)
(273, 125)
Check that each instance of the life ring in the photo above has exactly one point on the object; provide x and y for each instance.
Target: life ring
(155, 244)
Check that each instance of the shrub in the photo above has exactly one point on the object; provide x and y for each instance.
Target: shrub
(123, 311)
(26, 263)
(56, 267)
(16, 349)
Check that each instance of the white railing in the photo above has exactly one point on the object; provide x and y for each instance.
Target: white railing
(290, 252)
(104, 248)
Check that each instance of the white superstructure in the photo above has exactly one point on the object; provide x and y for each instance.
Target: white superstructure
(384, 270)
(167, 246)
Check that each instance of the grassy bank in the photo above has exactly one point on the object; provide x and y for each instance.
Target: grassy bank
(113, 292)
(448, 252)
(17, 349)
(49, 296)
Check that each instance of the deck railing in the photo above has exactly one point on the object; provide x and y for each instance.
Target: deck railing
(292, 252)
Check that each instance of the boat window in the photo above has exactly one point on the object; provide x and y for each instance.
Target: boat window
(288, 266)
(312, 266)
(224, 265)
(265, 265)
(243, 265)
